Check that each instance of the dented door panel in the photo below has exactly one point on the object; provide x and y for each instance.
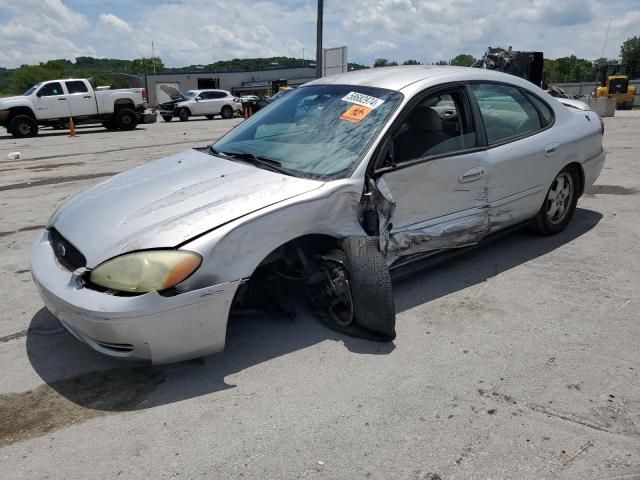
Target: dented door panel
(435, 206)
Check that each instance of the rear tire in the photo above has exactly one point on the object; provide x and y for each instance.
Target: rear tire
(110, 124)
(23, 126)
(167, 118)
(183, 115)
(209, 117)
(126, 119)
(559, 204)
(226, 112)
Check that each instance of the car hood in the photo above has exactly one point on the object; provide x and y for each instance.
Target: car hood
(167, 202)
(7, 100)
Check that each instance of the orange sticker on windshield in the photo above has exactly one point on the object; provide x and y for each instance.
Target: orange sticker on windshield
(355, 113)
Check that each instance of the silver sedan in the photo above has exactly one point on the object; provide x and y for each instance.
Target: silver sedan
(325, 191)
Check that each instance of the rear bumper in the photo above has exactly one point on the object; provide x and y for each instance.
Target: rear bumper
(592, 169)
(144, 327)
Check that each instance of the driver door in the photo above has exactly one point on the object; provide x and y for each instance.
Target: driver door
(51, 102)
(437, 178)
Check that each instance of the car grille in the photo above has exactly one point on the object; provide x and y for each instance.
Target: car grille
(68, 255)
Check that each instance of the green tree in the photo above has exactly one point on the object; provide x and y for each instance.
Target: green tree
(441, 62)
(630, 53)
(383, 62)
(411, 62)
(146, 65)
(463, 60)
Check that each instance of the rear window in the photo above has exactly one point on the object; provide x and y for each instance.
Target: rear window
(76, 87)
(543, 108)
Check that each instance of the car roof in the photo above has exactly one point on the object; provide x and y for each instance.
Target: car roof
(207, 90)
(397, 78)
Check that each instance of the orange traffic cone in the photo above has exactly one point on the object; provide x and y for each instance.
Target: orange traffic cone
(72, 128)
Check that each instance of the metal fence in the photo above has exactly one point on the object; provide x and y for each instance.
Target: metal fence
(588, 88)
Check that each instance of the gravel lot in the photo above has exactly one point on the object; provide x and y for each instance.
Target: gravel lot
(518, 360)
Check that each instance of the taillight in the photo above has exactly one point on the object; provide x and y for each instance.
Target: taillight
(144, 95)
(601, 124)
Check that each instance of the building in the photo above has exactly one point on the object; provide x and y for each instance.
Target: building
(257, 82)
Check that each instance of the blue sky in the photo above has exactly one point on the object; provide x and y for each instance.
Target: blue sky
(189, 32)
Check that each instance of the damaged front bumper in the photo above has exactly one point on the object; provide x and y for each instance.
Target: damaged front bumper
(162, 329)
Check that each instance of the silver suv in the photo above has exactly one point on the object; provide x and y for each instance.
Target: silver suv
(207, 103)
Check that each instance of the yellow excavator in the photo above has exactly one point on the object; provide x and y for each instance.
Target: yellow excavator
(613, 82)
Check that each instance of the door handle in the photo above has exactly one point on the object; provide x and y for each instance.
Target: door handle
(551, 149)
(87, 96)
(62, 99)
(471, 175)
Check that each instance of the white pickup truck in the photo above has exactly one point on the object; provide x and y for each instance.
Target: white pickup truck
(54, 102)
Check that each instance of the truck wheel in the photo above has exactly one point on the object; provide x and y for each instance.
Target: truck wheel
(226, 112)
(356, 294)
(126, 119)
(209, 117)
(22, 126)
(167, 118)
(183, 115)
(109, 124)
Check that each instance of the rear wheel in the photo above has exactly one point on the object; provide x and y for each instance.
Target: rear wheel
(22, 126)
(226, 112)
(126, 119)
(183, 115)
(167, 118)
(559, 205)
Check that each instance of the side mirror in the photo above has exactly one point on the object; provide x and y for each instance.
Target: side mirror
(197, 99)
(39, 94)
(385, 160)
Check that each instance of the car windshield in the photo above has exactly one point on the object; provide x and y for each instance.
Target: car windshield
(318, 131)
(31, 90)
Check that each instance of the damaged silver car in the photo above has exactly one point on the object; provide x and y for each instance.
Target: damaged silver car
(329, 189)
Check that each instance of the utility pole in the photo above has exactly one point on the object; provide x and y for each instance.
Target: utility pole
(319, 41)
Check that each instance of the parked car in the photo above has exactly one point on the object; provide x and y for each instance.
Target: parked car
(336, 185)
(278, 95)
(52, 103)
(194, 103)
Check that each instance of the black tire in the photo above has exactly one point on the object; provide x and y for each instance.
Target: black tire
(167, 118)
(551, 218)
(23, 126)
(184, 115)
(226, 112)
(110, 124)
(371, 290)
(209, 117)
(126, 119)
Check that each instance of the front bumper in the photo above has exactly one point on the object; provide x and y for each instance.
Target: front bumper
(143, 327)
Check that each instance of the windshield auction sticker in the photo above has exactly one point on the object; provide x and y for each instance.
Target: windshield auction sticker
(363, 100)
(356, 113)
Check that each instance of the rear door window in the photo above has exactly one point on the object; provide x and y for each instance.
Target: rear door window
(76, 86)
(506, 112)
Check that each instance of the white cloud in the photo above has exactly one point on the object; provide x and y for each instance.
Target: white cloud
(114, 21)
(202, 31)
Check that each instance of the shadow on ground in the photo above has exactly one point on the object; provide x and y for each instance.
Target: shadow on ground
(81, 130)
(91, 380)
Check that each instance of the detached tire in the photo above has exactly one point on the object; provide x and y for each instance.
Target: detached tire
(183, 115)
(126, 119)
(209, 117)
(371, 290)
(23, 126)
(167, 118)
(559, 204)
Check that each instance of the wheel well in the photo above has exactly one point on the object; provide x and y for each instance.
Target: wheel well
(15, 111)
(284, 258)
(122, 104)
(185, 108)
(580, 171)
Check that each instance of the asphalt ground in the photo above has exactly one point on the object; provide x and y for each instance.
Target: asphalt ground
(517, 360)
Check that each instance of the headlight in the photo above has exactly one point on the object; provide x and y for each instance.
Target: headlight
(146, 271)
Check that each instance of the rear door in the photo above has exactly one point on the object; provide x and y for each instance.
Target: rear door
(522, 150)
(437, 178)
(51, 102)
(81, 100)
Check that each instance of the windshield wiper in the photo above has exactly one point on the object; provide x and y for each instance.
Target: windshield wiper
(254, 159)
